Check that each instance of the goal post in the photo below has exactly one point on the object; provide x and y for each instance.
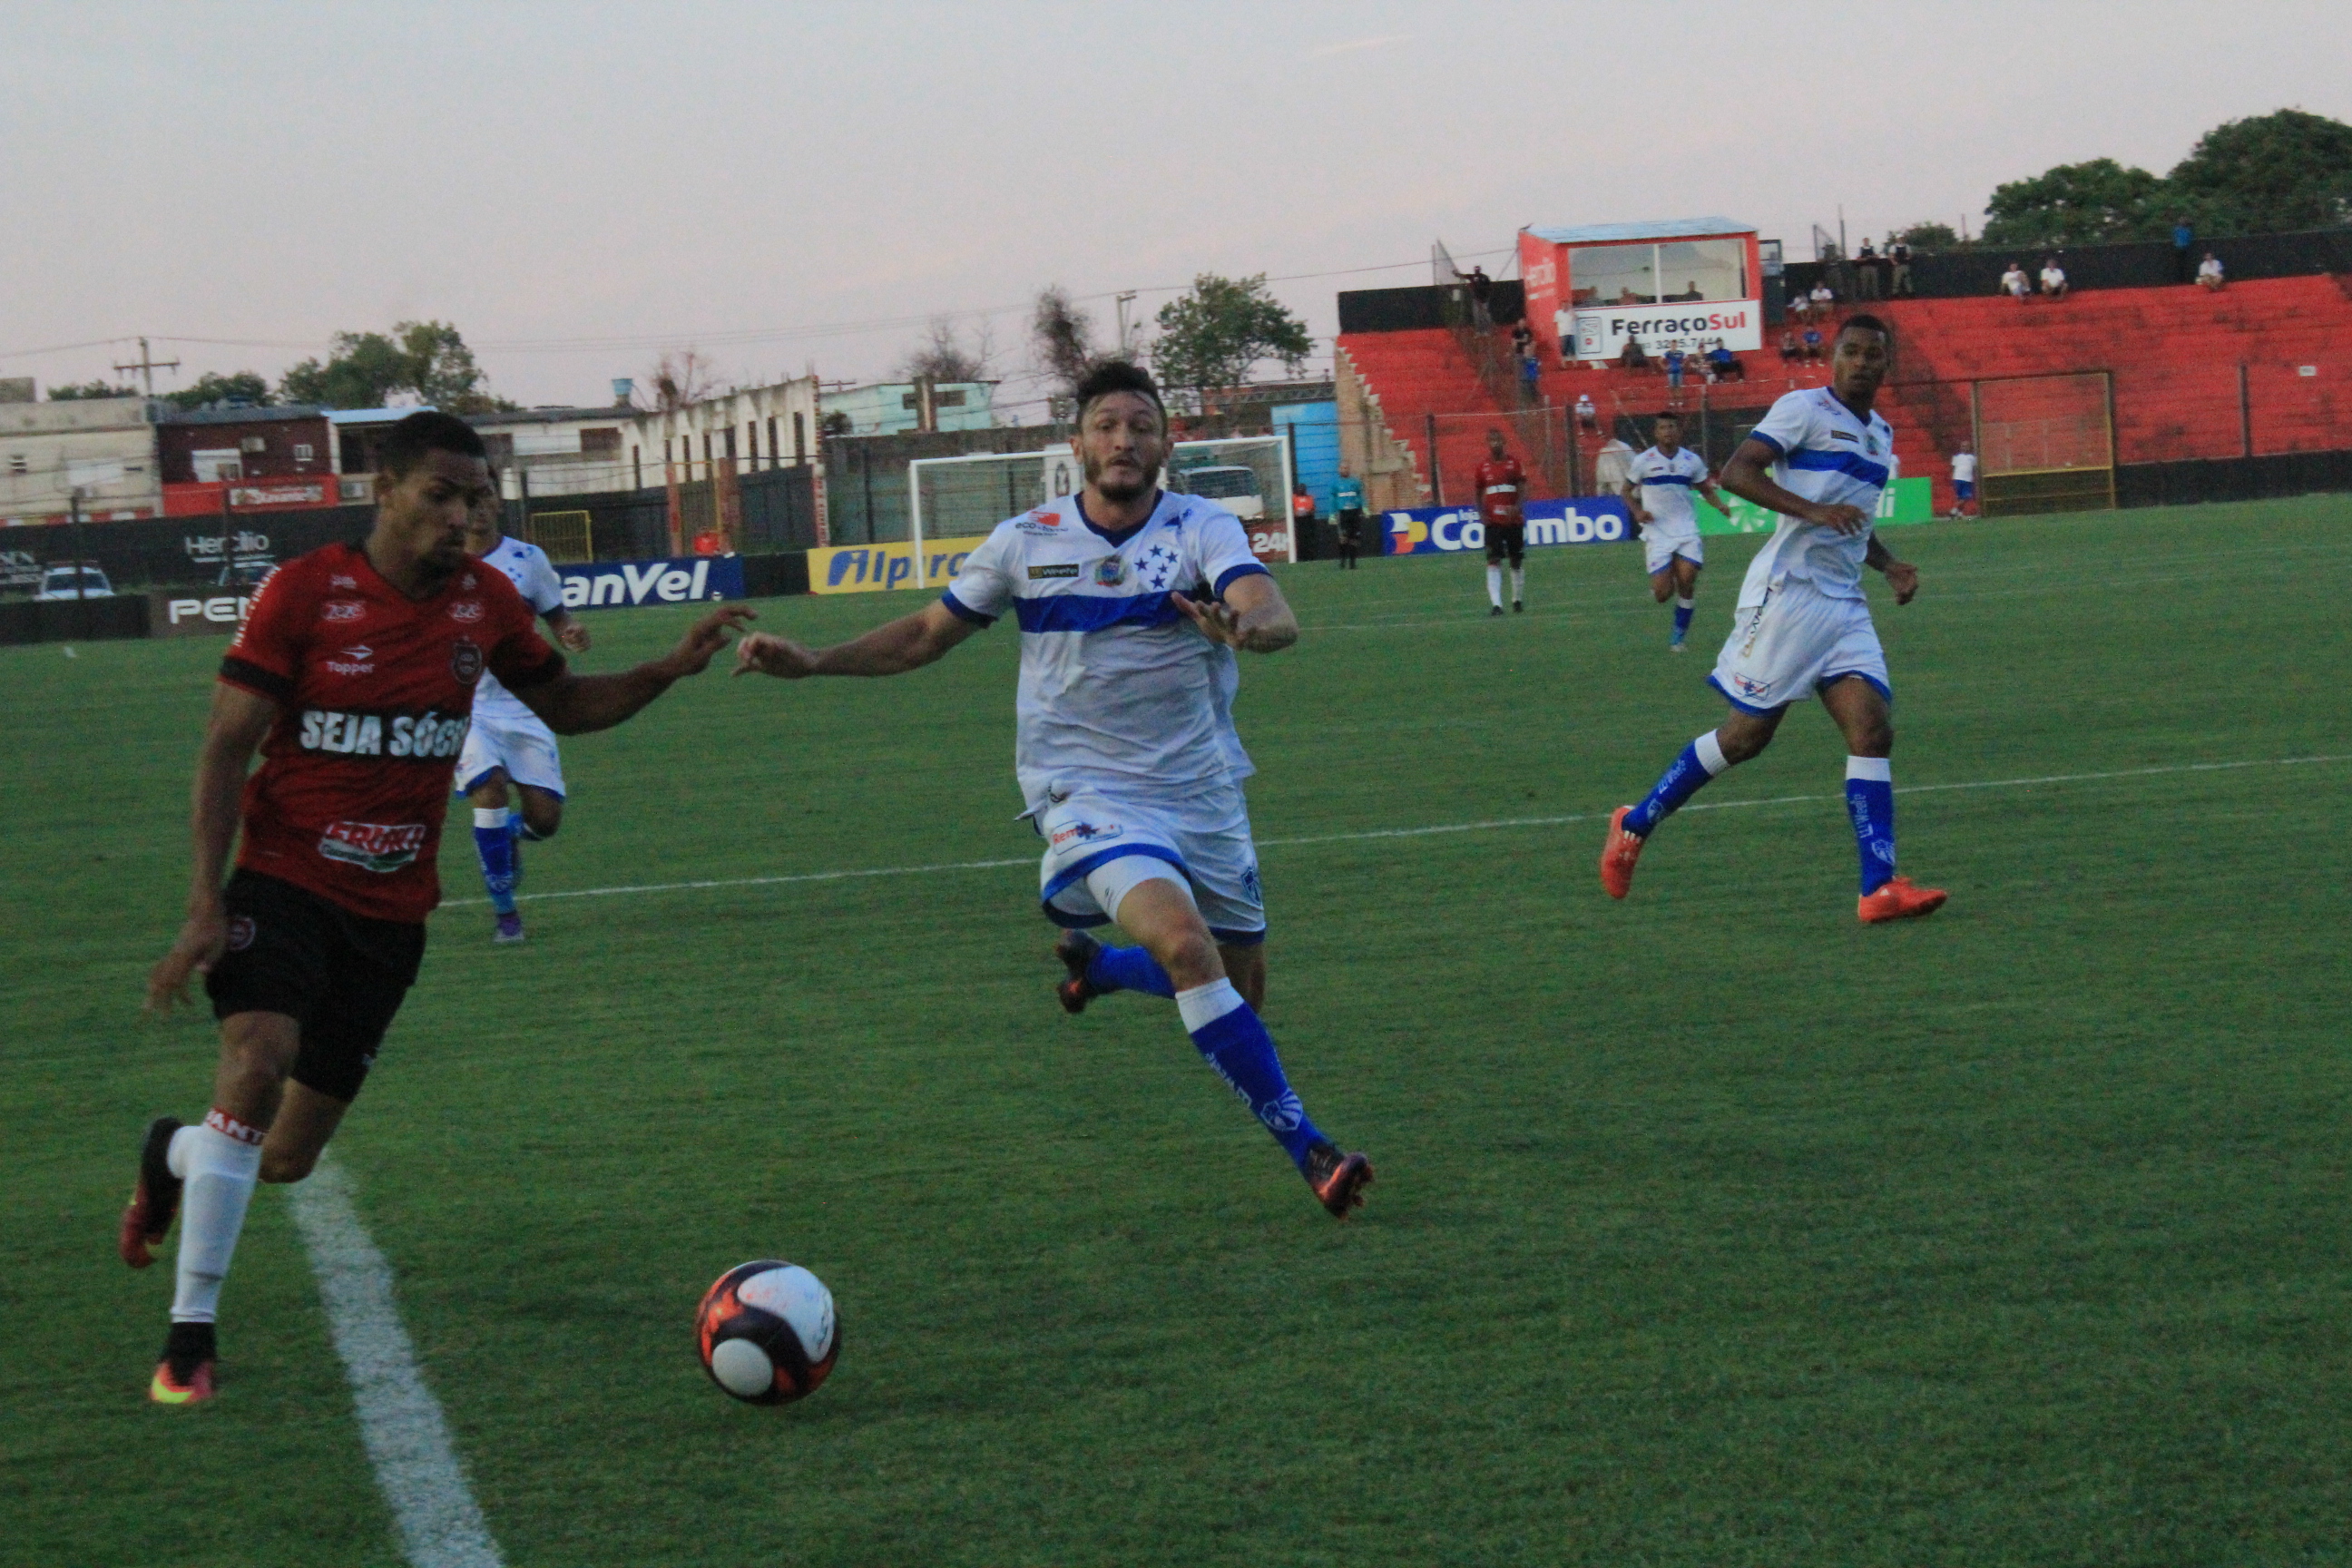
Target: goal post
(2045, 443)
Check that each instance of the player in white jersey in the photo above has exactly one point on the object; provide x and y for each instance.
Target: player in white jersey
(1658, 486)
(1803, 626)
(508, 745)
(1131, 603)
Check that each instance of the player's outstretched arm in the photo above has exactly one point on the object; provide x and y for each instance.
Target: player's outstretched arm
(575, 704)
(240, 721)
(1744, 476)
(1901, 575)
(1253, 615)
(569, 632)
(894, 647)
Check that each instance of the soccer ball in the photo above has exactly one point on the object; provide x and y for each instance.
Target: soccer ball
(767, 1332)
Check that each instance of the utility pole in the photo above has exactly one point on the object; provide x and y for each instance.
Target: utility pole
(147, 366)
(1124, 301)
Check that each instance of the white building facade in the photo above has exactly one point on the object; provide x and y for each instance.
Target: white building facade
(103, 447)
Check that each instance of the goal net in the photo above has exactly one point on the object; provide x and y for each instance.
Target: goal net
(962, 498)
(2045, 443)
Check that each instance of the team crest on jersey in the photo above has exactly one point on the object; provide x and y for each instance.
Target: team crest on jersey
(465, 661)
(342, 610)
(1111, 571)
(465, 611)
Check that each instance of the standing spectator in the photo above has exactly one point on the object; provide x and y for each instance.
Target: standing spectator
(1675, 367)
(1348, 505)
(1302, 511)
(2015, 283)
(1964, 480)
(1898, 261)
(1866, 270)
(2183, 236)
(2054, 277)
(1530, 379)
(1588, 417)
(1523, 341)
(2208, 274)
(1482, 297)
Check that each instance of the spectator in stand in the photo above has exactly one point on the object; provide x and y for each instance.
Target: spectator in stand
(1482, 297)
(1302, 511)
(2015, 283)
(1635, 357)
(1812, 342)
(1964, 480)
(2054, 277)
(1588, 417)
(1611, 466)
(2183, 236)
(2208, 274)
(1865, 269)
(1530, 379)
(1675, 357)
(1722, 364)
(1898, 266)
(1822, 300)
(1790, 348)
(1523, 341)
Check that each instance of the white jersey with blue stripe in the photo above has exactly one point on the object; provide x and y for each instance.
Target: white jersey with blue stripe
(1666, 488)
(1117, 687)
(528, 568)
(1823, 452)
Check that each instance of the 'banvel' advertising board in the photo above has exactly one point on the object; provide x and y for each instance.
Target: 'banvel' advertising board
(601, 584)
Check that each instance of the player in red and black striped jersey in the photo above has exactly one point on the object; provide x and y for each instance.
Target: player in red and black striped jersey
(1502, 495)
(354, 678)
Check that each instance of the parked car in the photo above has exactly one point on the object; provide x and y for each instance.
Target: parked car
(247, 571)
(72, 582)
(1235, 485)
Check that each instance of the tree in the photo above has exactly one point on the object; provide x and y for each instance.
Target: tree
(1214, 336)
(428, 358)
(2077, 203)
(1929, 236)
(90, 389)
(238, 386)
(681, 377)
(944, 355)
(2275, 172)
(1061, 336)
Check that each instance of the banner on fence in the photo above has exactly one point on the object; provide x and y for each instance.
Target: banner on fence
(872, 568)
(1443, 530)
(1600, 332)
(677, 581)
(1905, 500)
(196, 614)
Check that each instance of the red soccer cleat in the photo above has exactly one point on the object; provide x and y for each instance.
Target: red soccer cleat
(1617, 856)
(1339, 1180)
(1898, 899)
(185, 1375)
(1077, 949)
(155, 1200)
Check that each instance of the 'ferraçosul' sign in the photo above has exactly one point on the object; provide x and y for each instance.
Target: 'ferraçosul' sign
(1600, 332)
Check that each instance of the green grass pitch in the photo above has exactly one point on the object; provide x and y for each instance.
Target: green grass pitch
(1711, 1228)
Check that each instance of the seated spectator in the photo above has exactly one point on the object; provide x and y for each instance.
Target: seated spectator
(1690, 294)
(1812, 342)
(2208, 274)
(1635, 357)
(1588, 417)
(1722, 364)
(1789, 347)
(1822, 298)
(2015, 283)
(2054, 277)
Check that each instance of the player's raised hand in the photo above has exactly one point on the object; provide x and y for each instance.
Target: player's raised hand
(704, 639)
(203, 939)
(765, 653)
(1903, 578)
(1840, 518)
(1218, 621)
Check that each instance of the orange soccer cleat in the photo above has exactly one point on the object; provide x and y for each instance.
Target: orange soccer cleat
(1898, 899)
(185, 1375)
(1339, 1180)
(1617, 856)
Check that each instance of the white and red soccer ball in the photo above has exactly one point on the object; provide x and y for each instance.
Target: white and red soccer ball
(767, 1332)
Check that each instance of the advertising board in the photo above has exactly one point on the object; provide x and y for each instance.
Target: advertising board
(875, 568)
(679, 580)
(1601, 333)
(196, 614)
(1444, 530)
(1905, 500)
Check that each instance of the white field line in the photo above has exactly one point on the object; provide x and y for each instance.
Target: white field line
(407, 1438)
(1492, 825)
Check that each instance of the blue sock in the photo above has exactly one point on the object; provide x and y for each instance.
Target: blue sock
(1128, 969)
(1684, 610)
(494, 845)
(1230, 1035)
(1870, 800)
(1700, 760)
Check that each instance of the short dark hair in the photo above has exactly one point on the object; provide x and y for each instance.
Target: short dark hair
(1866, 323)
(1665, 415)
(428, 431)
(1116, 376)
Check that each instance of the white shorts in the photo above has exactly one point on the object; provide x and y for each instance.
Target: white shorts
(1794, 643)
(524, 747)
(1099, 848)
(1660, 546)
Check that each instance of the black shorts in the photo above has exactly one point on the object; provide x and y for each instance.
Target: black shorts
(340, 975)
(1507, 538)
(1351, 526)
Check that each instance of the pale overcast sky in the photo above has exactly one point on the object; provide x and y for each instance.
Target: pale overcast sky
(578, 185)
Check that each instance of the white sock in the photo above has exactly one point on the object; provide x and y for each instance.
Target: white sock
(223, 1162)
(1881, 769)
(1519, 584)
(494, 816)
(175, 1157)
(1683, 604)
(1495, 586)
(1711, 753)
(1204, 1004)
